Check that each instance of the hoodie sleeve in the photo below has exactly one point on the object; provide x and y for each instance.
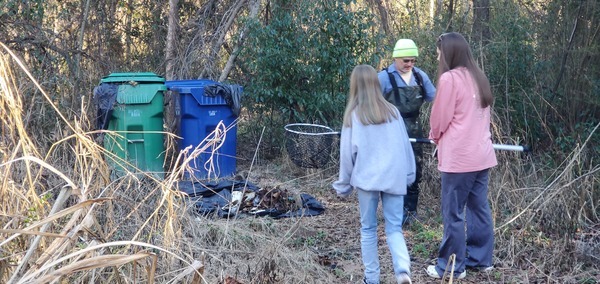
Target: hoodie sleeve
(347, 156)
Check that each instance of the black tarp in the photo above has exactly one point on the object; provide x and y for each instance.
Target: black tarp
(215, 196)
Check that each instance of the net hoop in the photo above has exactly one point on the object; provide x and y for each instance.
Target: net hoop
(326, 130)
(310, 145)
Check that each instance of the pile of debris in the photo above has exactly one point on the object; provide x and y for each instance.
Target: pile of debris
(228, 198)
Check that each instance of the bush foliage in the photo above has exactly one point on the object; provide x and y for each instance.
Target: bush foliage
(300, 59)
(295, 60)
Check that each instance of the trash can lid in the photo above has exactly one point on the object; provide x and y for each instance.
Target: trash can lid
(195, 88)
(137, 77)
(189, 83)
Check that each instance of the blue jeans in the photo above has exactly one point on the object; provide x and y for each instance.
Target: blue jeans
(393, 205)
(474, 247)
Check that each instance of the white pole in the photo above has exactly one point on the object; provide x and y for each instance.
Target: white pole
(496, 146)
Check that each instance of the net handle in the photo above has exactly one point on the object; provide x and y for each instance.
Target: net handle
(521, 148)
(330, 131)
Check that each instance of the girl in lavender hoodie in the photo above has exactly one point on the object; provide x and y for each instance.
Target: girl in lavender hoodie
(377, 160)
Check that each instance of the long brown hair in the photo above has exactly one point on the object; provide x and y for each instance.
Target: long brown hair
(455, 52)
(366, 100)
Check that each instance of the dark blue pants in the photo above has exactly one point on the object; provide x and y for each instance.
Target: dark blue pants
(474, 247)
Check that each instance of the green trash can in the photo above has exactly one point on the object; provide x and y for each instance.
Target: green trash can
(136, 120)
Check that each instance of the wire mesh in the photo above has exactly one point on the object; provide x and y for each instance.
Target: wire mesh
(310, 145)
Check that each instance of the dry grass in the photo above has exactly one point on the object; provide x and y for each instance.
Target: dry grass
(57, 201)
(66, 220)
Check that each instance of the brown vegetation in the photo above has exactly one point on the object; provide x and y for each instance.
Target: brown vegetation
(65, 218)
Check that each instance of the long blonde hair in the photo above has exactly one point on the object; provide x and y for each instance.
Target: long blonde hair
(366, 100)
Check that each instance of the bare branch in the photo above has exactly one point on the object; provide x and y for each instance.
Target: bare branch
(236, 49)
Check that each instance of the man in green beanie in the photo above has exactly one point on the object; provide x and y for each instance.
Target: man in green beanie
(407, 87)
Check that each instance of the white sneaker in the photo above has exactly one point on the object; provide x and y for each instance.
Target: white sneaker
(403, 278)
(432, 272)
(487, 269)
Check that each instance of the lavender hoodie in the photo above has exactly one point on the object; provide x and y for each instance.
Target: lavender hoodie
(375, 158)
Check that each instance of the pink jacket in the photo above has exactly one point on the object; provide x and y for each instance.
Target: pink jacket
(459, 126)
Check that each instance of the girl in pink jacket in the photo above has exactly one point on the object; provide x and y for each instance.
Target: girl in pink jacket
(460, 126)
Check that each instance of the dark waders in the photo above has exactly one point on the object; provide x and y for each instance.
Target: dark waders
(408, 100)
(412, 194)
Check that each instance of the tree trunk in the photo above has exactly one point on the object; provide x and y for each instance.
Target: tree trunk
(439, 7)
(86, 10)
(171, 35)
(385, 26)
(128, 26)
(450, 15)
(481, 21)
(170, 115)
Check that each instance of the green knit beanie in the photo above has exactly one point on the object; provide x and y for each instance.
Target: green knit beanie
(405, 48)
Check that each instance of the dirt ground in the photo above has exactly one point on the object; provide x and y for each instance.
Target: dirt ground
(342, 247)
(335, 235)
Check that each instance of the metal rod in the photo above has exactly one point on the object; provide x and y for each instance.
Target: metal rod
(329, 131)
(520, 148)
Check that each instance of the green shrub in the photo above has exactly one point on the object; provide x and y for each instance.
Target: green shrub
(299, 61)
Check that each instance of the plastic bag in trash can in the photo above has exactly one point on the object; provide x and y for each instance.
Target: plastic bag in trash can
(231, 94)
(104, 97)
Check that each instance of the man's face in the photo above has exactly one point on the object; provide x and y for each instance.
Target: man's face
(404, 64)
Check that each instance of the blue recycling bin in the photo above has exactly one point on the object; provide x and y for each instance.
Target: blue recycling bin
(198, 115)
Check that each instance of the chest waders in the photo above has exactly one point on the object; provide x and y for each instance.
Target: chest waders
(408, 100)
